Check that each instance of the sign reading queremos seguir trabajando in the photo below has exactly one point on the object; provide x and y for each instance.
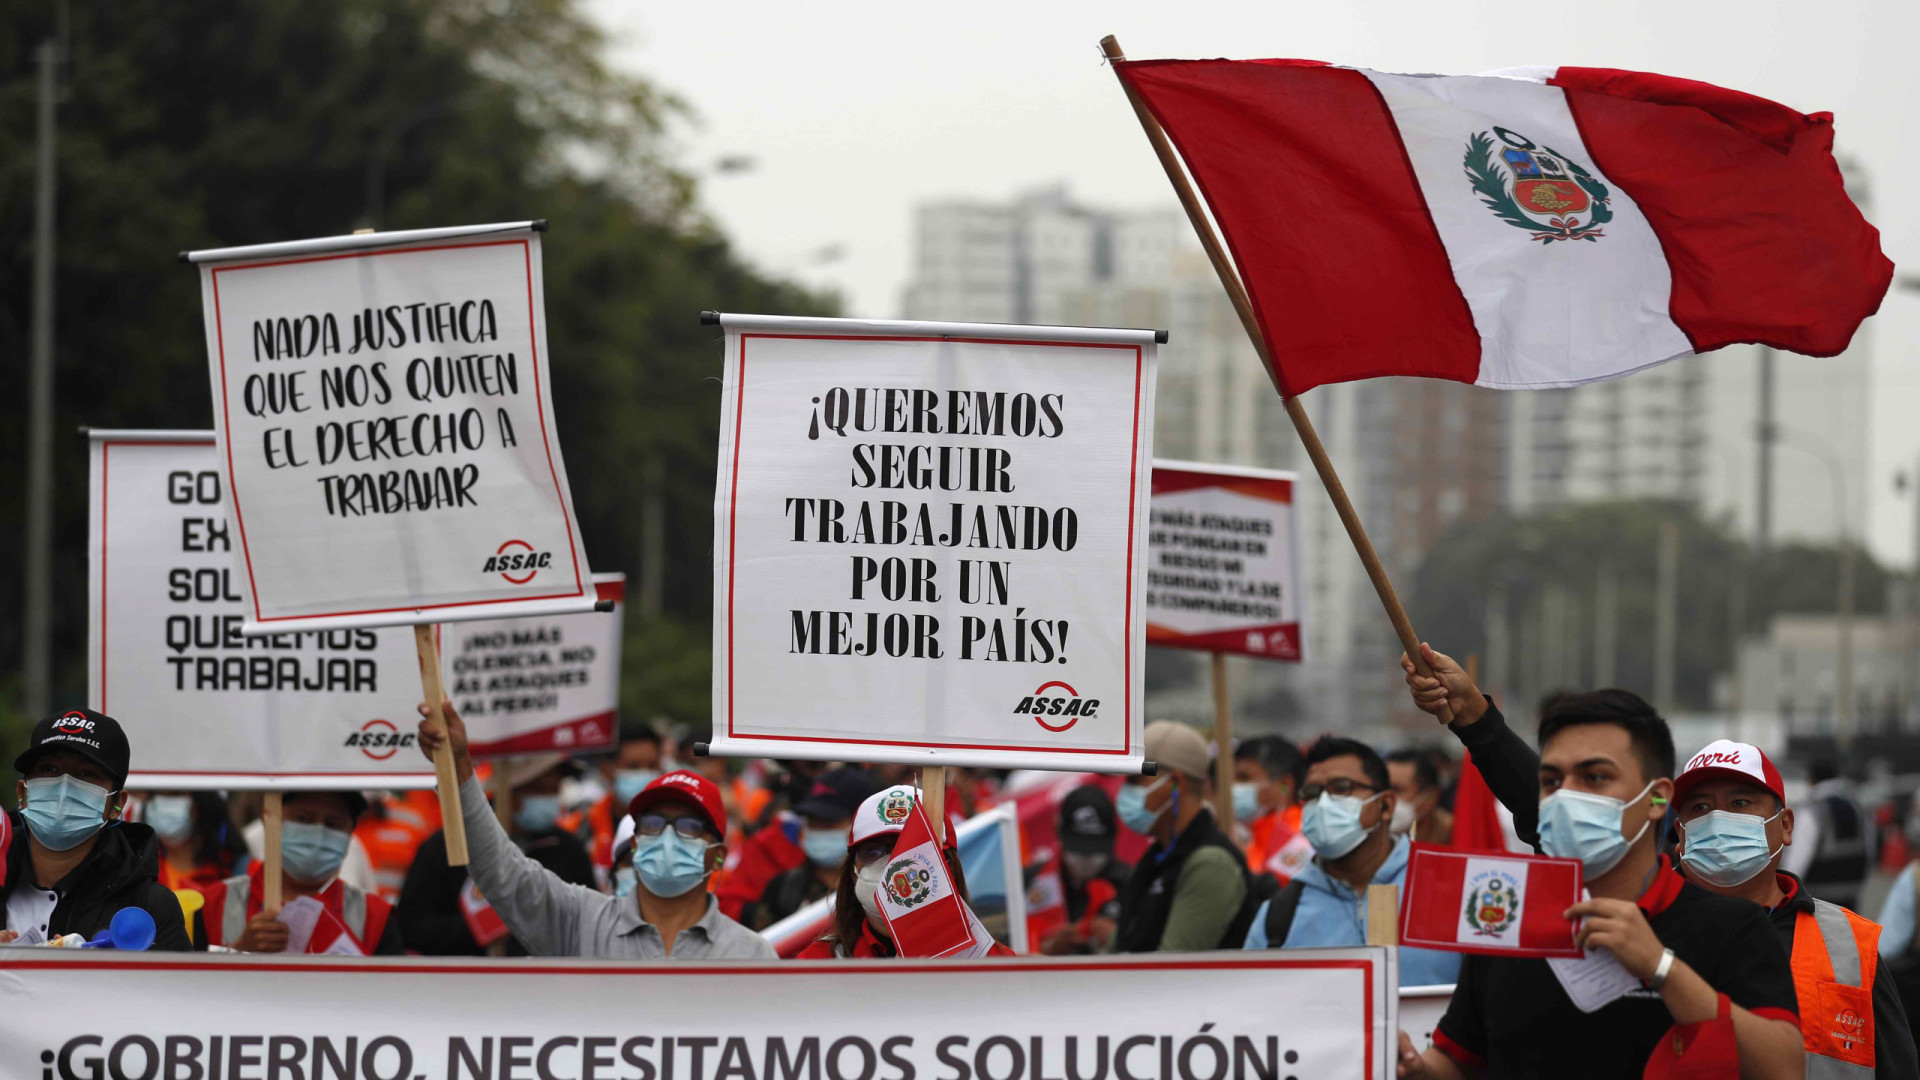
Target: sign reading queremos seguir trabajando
(386, 430)
(929, 541)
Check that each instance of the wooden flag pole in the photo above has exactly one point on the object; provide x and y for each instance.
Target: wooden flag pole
(1243, 306)
(449, 786)
(1222, 745)
(933, 797)
(270, 820)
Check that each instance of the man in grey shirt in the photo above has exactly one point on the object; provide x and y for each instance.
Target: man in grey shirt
(679, 834)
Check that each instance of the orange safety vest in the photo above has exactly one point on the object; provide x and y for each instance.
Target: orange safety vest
(1835, 953)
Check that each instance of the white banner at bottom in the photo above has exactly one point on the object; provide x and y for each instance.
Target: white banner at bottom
(1322, 1013)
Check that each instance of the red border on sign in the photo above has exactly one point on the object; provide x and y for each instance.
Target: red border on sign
(533, 340)
(371, 965)
(1133, 482)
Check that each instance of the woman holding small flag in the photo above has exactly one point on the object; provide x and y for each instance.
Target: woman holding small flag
(896, 896)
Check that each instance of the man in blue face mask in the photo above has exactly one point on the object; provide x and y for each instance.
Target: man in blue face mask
(1347, 810)
(679, 841)
(1667, 958)
(1190, 890)
(73, 863)
(1734, 829)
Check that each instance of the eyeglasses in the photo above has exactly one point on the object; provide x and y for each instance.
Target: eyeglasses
(1339, 786)
(868, 854)
(689, 827)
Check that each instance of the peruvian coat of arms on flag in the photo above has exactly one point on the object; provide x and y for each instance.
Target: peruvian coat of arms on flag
(1504, 905)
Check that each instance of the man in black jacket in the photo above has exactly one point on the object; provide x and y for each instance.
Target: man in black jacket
(1731, 806)
(1189, 891)
(73, 864)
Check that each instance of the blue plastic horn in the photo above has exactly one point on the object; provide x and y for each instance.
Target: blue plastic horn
(131, 930)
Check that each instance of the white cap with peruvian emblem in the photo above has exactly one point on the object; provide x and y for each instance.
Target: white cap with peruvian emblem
(1729, 760)
(885, 811)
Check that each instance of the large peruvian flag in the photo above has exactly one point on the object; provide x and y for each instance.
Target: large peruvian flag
(1532, 228)
(1504, 905)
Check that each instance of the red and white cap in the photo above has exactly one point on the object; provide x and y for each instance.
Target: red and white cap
(885, 811)
(1726, 759)
(688, 787)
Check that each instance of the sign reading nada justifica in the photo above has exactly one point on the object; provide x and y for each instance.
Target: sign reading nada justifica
(929, 542)
(386, 429)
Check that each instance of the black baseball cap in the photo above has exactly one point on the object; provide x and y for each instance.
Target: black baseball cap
(1087, 821)
(837, 794)
(94, 736)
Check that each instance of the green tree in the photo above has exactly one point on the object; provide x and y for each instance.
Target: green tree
(224, 122)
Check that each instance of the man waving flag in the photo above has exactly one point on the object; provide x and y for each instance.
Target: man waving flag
(1531, 228)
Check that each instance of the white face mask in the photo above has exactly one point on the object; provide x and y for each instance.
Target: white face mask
(1402, 822)
(867, 884)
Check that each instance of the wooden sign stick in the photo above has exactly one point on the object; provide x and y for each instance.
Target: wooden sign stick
(1222, 745)
(270, 819)
(933, 797)
(449, 786)
(1230, 278)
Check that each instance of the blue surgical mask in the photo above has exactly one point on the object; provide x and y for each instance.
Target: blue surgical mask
(171, 817)
(1578, 825)
(311, 854)
(669, 864)
(537, 813)
(1132, 806)
(1246, 800)
(1725, 849)
(623, 880)
(824, 847)
(63, 811)
(1332, 823)
(630, 782)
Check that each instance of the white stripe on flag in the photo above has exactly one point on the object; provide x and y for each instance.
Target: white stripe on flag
(1549, 313)
(1492, 896)
(914, 881)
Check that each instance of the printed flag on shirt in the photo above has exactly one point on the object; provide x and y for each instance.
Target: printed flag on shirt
(1502, 905)
(924, 913)
(1537, 227)
(483, 922)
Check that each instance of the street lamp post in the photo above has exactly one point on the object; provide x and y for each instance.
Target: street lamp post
(1843, 691)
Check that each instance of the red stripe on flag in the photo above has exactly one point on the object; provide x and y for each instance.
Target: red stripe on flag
(1746, 198)
(1553, 886)
(1431, 911)
(1305, 172)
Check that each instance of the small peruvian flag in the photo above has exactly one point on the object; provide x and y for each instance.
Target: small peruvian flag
(1503, 905)
(483, 922)
(925, 915)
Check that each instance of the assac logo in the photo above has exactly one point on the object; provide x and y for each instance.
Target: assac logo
(1536, 188)
(896, 806)
(909, 881)
(1068, 703)
(1492, 904)
(379, 739)
(522, 557)
(74, 723)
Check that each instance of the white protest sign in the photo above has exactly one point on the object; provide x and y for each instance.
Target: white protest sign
(527, 686)
(386, 428)
(1328, 1014)
(929, 542)
(1224, 561)
(205, 707)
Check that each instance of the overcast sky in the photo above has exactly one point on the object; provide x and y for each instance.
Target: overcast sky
(857, 112)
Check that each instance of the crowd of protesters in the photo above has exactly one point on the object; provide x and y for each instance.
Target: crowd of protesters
(1701, 881)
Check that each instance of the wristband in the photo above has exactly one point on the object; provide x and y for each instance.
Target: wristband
(1661, 972)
